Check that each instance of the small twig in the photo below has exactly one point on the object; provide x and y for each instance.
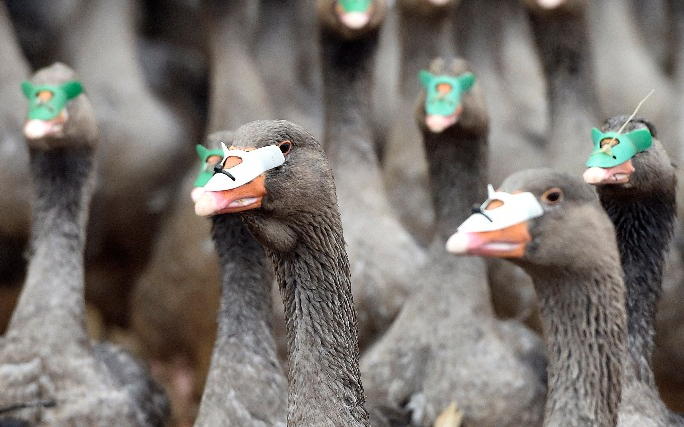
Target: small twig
(633, 114)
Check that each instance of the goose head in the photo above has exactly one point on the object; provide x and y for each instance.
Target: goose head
(538, 219)
(274, 173)
(629, 162)
(448, 88)
(59, 114)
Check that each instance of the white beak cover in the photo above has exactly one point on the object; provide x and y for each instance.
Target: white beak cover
(515, 208)
(253, 164)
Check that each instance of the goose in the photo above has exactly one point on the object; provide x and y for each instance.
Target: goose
(285, 193)
(421, 30)
(245, 384)
(14, 176)
(493, 370)
(552, 225)
(382, 253)
(636, 183)
(561, 35)
(47, 365)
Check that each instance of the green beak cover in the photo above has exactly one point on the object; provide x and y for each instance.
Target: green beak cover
(47, 101)
(443, 92)
(626, 145)
(355, 5)
(206, 170)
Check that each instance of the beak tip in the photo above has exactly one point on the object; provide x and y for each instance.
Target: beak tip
(457, 244)
(204, 206)
(593, 175)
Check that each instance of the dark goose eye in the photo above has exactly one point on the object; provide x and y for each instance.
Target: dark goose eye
(552, 196)
(285, 147)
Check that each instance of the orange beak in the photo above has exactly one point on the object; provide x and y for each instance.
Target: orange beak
(248, 196)
(508, 242)
(242, 198)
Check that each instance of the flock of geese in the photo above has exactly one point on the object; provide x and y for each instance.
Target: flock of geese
(386, 245)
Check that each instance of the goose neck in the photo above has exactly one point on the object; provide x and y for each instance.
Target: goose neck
(644, 229)
(62, 182)
(584, 321)
(323, 352)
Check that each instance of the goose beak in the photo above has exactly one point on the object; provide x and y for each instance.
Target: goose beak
(196, 193)
(616, 175)
(509, 242)
(245, 197)
(355, 20)
(436, 123)
(37, 129)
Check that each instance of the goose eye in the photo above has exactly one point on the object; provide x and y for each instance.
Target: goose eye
(285, 147)
(552, 196)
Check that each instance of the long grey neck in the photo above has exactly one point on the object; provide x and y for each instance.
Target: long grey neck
(563, 45)
(347, 86)
(457, 167)
(233, 67)
(644, 229)
(323, 352)
(52, 300)
(479, 28)
(585, 326)
(421, 39)
(246, 280)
